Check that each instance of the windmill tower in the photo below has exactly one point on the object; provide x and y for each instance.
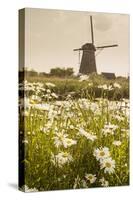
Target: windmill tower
(88, 61)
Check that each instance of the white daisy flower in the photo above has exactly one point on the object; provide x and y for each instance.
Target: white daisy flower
(84, 184)
(125, 132)
(57, 142)
(71, 126)
(61, 158)
(48, 91)
(119, 118)
(68, 142)
(105, 87)
(83, 78)
(89, 136)
(54, 95)
(35, 98)
(90, 177)
(101, 153)
(109, 129)
(103, 182)
(108, 165)
(44, 107)
(90, 84)
(58, 103)
(111, 126)
(117, 143)
(106, 131)
(117, 85)
(25, 188)
(125, 165)
(61, 139)
(25, 141)
(48, 84)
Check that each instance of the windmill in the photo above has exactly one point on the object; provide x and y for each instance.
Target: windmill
(88, 61)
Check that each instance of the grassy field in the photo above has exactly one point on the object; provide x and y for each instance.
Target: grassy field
(75, 133)
(79, 89)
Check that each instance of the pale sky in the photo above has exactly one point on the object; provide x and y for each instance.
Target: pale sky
(51, 36)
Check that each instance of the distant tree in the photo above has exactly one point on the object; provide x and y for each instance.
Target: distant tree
(31, 72)
(57, 72)
(69, 71)
(61, 72)
(43, 74)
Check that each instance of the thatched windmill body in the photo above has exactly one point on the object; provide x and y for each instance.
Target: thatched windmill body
(88, 61)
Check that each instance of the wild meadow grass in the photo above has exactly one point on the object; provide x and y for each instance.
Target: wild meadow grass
(75, 141)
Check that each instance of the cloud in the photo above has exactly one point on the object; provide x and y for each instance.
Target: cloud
(103, 22)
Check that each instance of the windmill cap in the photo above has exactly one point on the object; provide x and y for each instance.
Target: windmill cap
(89, 46)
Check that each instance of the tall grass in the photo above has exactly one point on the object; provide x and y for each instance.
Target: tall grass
(87, 122)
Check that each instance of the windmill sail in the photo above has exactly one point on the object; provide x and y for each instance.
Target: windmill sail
(107, 46)
(92, 34)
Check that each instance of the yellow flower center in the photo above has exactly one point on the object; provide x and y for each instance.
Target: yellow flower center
(61, 137)
(66, 154)
(108, 164)
(102, 153)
